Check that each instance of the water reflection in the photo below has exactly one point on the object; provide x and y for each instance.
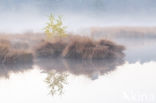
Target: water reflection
(56, 82)
(138, 49)
(6, 70)
(142, 50)
(57, 69)
(131, 83)
(140, 43)
(89, 68)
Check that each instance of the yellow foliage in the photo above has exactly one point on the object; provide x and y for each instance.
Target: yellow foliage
(56, 82)
(55, 27)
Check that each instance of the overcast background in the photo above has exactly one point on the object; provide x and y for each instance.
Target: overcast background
(22, 15)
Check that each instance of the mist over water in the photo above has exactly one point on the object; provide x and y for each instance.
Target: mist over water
(126, 79)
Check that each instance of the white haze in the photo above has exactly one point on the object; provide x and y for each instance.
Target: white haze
(22, 16)
(35, 22)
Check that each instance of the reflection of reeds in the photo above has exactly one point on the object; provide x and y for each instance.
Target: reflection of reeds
(91, 67)
(68, 48)
(58, 68)
(18, 57)
(80, 67)
(79, 55)
(6, 69)
(13, 60)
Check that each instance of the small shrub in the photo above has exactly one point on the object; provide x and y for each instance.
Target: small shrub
(79, 47)
(55, 27)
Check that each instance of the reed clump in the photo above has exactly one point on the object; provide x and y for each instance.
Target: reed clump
(9, 55)
(59, 44)
(50, 48)
(79, 47)
(87, 48)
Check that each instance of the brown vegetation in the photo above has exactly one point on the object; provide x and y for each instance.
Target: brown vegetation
(85, 67)
(75, 47)
(4, 49)
(9, 55)
(87, 48)
(52, 48)
(76, 54)
(79, 47)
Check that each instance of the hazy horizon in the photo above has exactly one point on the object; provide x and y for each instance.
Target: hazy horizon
(28, 15)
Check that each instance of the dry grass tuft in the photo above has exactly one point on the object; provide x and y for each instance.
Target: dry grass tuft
(8, 55)
(79, 47)
(4, 50)
(87, 48)
(75, 47)
(50, 48)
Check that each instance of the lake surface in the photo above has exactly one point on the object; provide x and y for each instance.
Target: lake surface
(126, 80)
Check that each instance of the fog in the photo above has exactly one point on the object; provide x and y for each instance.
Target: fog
(124, 77)
(28, 15)
(83, 6)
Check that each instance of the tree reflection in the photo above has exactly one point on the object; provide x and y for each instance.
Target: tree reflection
(56, 82)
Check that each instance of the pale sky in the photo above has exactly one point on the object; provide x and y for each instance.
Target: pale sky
(24, 15)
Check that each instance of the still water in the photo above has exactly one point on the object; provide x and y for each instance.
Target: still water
(130, 79)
